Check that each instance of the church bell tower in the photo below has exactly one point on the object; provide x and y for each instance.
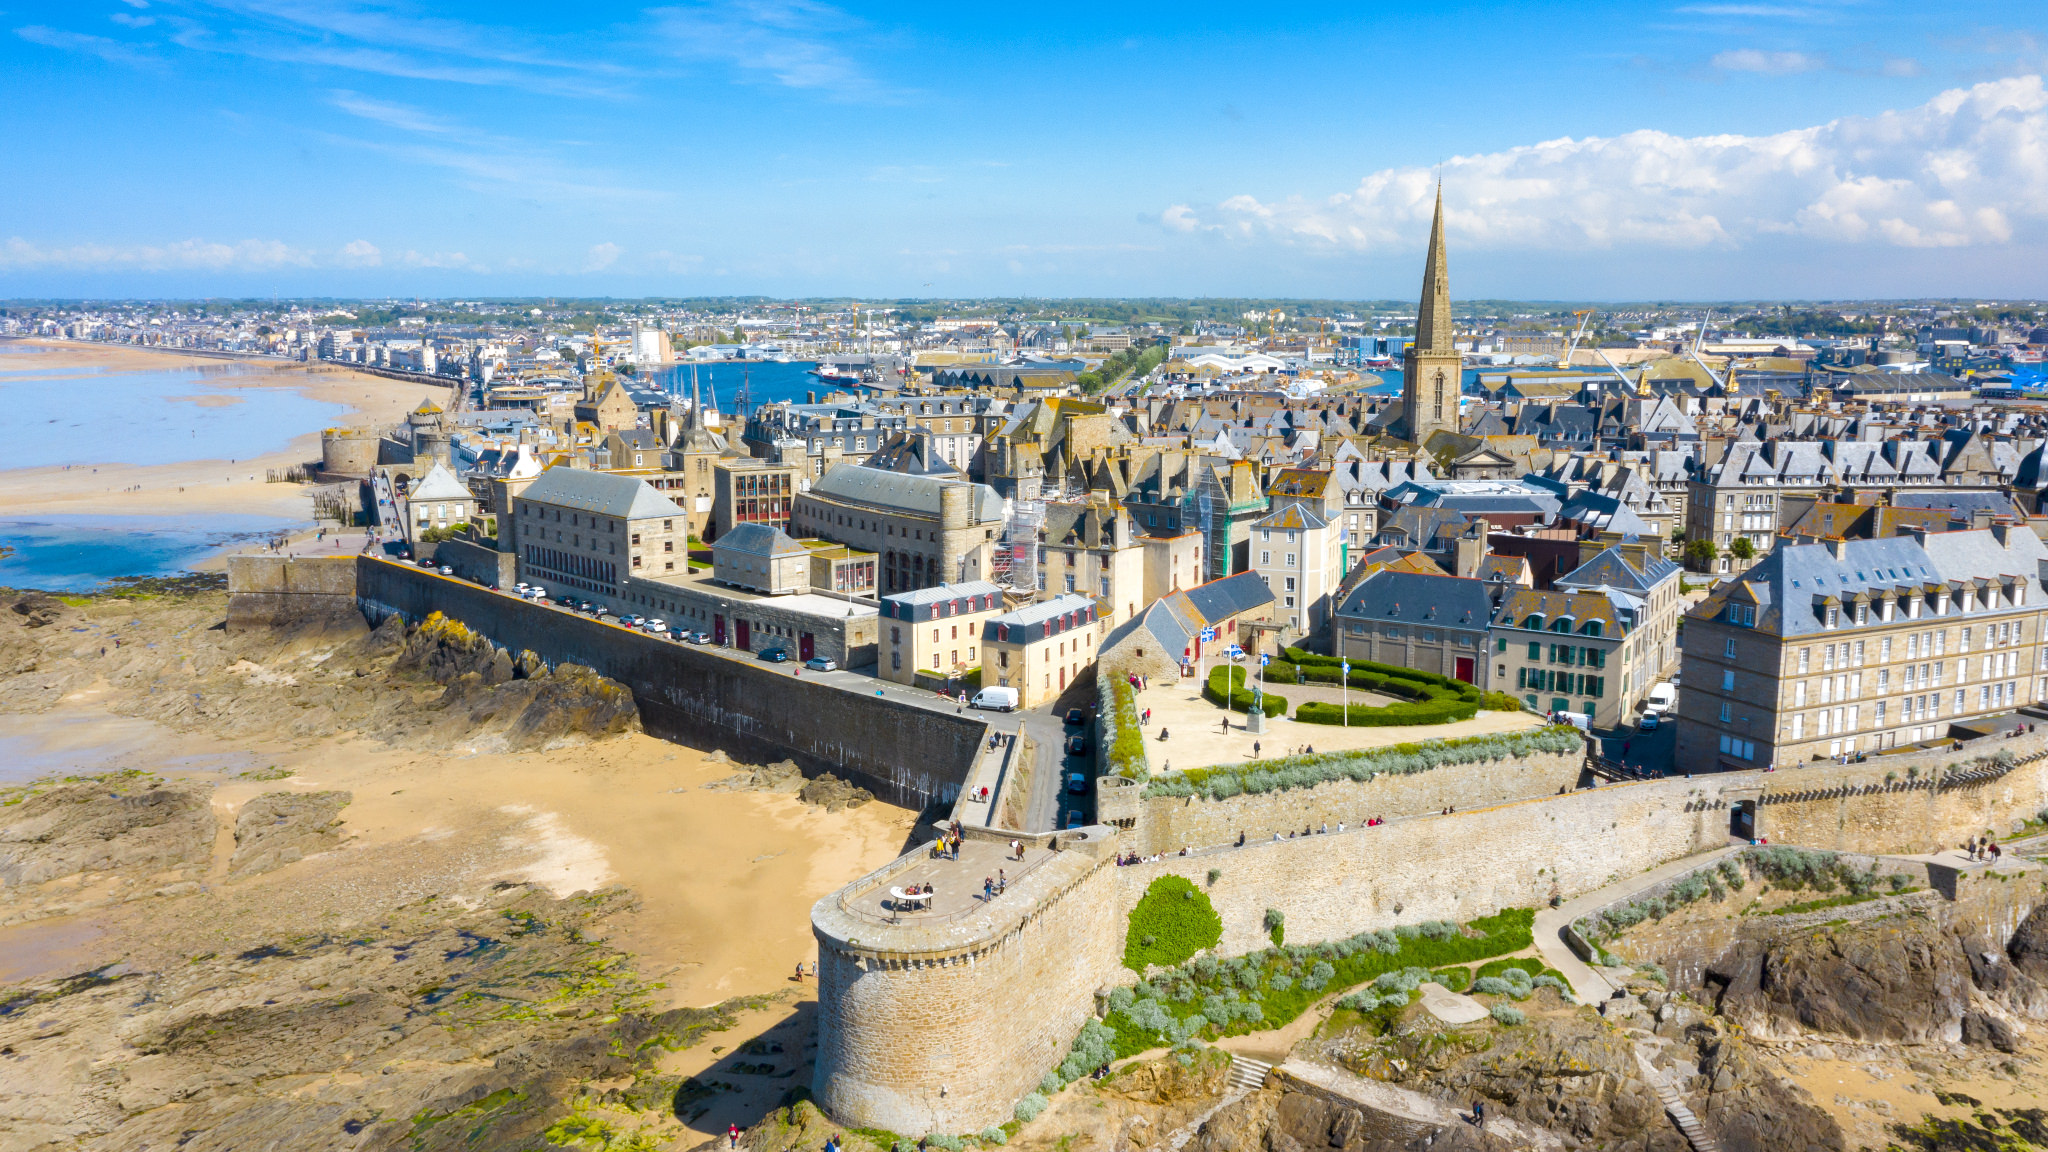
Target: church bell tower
(1432, 372)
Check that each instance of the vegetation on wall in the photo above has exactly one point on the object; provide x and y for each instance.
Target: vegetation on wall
(1210, 997)
(1172, 922)
(1786, 868)
(1280, 774)
(1122, 735)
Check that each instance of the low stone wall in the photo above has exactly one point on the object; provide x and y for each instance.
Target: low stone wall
(475, 562)
(1170, 823)
(268, 591)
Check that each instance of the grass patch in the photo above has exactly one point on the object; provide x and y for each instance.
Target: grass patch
(1172, 922)
(1283, 773)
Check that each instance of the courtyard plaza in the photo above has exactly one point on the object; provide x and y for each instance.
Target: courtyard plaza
(1196, 737)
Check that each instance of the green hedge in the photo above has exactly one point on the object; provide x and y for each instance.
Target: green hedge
(1428, 697)
(1172, 922)
(1240, 697)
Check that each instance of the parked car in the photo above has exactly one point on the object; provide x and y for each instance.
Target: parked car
(654, 625)
(1076, 717)
(775, 655)
(1077, 745)
(1648, 723)
(700, 637)
(427, 564)
(1077, 782)
(632, 619)
(447, 571)
(820, 664)
(1074, 818)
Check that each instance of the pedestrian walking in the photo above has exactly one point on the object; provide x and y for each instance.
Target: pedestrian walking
(799, 977)
(1996, 852)
(1479, 1114)
(1255, 749)
(1226, 724)
(732, 1136)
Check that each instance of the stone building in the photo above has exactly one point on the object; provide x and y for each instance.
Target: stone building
(761, 558)
(1823, 650)
(1570, 652)
(1041, 648)
(1095, 548)
(1432, 370)
(1299, 554)
(1629, 570)
(590, 531)
(1165, 640)
(436, 500)
(926, 530)
(935, 630)
(1432, 623)
(749, 491)
(607, 405)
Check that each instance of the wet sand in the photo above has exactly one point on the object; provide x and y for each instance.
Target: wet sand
(199, 486)
(726, 879)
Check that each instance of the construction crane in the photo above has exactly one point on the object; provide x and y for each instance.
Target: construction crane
(1693, 354)
(1585, 321)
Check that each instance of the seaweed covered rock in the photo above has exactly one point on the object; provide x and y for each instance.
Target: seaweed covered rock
(278, 828)
(833, 794)
(136, 826)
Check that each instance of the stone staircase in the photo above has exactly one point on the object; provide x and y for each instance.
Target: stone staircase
(1247, 1074)
(1674, 1106)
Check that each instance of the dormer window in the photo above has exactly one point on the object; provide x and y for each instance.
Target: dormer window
(1941, 604)
(1863, 613)
(1834, 616)
(1913, 607)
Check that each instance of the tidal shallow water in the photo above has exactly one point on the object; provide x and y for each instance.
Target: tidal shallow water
(83, 418)
(77, 553)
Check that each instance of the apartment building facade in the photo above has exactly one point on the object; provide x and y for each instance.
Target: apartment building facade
(591, 531)
(1850, 646)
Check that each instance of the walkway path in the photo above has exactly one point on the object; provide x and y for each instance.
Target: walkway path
(1589, 986)
(1414, 1107)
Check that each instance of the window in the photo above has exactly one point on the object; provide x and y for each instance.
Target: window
(1725, 711)
(1728, 680)
(1535, 651)
(1730, 650)
(1265, 559)
(1806, 657)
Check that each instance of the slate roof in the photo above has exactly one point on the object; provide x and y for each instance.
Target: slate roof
(758, 540)
(1228, 597)
(934, 595)
(1415, 598)
(1612, 568)
(439, 484)
(901, 491)
(1791, 586)
(620, 497)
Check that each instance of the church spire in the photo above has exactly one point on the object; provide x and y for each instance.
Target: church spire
(1433, 314)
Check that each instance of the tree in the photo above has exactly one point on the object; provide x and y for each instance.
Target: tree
(1700, 554)
(1741, 548)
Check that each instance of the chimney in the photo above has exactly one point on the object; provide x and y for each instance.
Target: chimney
(2003, 534)
(1981, 518)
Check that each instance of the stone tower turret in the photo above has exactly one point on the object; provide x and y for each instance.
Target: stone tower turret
(956, 528)
(1432, 371)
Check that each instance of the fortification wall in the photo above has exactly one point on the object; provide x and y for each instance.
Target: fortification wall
(1170, 823)
(1472, 863)
(942, 1026)
(909, 756)
(267, 591)
(1854, 808)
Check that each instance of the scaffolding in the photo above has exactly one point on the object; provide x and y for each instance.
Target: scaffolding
(1014, 567)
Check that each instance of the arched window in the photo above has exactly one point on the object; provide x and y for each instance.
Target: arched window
(1593, 627)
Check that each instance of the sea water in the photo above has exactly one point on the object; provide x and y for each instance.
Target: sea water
(163, 416)
(77, 553)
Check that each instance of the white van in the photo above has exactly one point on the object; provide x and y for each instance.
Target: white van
(1661, 697)
(996, 699)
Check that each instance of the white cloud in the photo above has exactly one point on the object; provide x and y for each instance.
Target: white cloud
(112, 51)
(1969, 167)
(17, 253)
(1768, 63)
(359, 254)
(794, 43)
(601, 256)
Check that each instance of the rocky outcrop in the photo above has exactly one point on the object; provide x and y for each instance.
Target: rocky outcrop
(437, 685)
(1900, 979)
(783, 776)
(129, 826)
(2028, 948)
(421, 1030)
(833, 794)
(279, 828)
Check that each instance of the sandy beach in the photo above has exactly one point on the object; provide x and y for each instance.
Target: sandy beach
(234, 484)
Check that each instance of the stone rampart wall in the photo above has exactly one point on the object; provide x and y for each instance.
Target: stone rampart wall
(266, 591)
(1853, 808)
(909, 756)
(1170, 823)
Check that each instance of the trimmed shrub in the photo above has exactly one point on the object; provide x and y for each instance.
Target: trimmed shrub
(1227, 686)
(993, 1135)
(1509, 1015)
(1172, 922)
(1030, 1106)
(949, 1143)
(1276, 925)
(1118, 707)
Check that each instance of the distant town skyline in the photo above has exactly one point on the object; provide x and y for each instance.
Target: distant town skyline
(1717, 150)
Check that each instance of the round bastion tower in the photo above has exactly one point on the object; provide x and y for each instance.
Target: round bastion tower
(349, 452)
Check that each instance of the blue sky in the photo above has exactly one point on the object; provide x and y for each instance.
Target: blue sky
(1726, 148)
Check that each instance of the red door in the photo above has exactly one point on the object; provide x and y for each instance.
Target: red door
(1465, 669)
(806, 646)
(740, 628)
(718, 629)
